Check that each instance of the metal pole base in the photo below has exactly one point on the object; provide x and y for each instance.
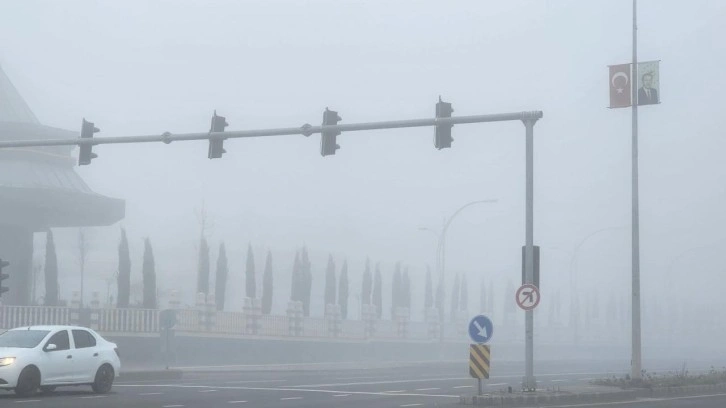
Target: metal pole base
(529, 384)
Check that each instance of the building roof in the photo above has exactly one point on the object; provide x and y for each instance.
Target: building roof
(39, 187)
(12, 106)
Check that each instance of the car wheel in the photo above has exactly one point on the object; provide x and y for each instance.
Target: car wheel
(104, 379)
(28, 382)
(47, 389)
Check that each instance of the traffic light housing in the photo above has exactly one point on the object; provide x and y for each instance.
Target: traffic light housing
(216, 142)
(3, 276)
(85, 155)
(535, 266)
(442, 133)
(328, 138)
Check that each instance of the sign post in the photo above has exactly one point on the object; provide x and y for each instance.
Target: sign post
(481, 330)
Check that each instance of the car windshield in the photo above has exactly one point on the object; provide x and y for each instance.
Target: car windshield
(22, 338)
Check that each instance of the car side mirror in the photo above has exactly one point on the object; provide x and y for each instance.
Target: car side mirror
(50, 347)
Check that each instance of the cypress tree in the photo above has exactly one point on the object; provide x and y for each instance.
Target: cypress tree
(429, 292)
(397, 290)
(267, 285)
(406, 286)
(440, 299)
(221, 279)
(343, 291)
(51, 271)
(203, 268)
(330, 285)
(378, 291)
(250, 282)
(464, 298)
(455, 298)
(367, 289)
(148, 272)
(296, 285)
(483, 298)
(124, 272)
(307, 280)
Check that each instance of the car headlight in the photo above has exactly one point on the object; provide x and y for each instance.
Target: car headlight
(6, 361)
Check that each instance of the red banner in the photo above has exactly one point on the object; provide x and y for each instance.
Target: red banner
(620, 86)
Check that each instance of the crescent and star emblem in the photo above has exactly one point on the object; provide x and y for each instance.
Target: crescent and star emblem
(618, 75)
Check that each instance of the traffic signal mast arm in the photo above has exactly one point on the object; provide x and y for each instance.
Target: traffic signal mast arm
(305, 130)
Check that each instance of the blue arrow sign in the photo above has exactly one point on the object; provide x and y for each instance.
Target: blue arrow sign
(481, 329)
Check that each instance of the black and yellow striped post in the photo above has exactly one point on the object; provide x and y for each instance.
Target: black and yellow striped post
(479, 357)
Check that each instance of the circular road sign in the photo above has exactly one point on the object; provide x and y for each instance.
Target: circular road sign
(527, 297)
(481, 329)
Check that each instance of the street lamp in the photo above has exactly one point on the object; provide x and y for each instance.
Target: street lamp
(441, 253)
(573, 277)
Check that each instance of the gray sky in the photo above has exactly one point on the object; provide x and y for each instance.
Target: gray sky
(145, 67)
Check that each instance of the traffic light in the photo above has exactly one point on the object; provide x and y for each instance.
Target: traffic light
(442, 133)
(3, 276)
(216, 142)
(328, 138)
(86, 154)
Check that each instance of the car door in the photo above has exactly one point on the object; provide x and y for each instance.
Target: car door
(85, 356)
(57, 361)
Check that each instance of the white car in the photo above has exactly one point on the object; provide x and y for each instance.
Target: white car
(44, 357)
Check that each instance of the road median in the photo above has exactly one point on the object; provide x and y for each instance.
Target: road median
(586, 395)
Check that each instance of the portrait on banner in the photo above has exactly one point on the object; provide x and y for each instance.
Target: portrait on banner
(648, 83)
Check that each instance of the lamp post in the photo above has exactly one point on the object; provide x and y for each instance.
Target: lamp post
(441, 253)
(573, 267)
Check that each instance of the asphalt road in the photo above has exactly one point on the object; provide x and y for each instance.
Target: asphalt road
(419, 386)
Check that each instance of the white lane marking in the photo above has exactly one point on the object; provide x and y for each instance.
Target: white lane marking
(463, 386)
(172, 406)
(207, 390)
(410, 405)
(641, 401)
(289, 389)
(362, 377)
(151, 393)
(253, 381)
(396, 391)
(427, 389)
(290, 398)
(496, 384)
(565, 380)
(22, 401)
(341, 395)
(94, 397)
(380, 382)
(236, 402)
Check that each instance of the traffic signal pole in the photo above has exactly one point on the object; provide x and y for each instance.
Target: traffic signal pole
(305, 130)
(529, 383)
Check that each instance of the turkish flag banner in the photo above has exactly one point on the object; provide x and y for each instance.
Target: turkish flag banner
(620, 86)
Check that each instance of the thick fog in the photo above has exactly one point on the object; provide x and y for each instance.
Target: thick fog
(146, 67)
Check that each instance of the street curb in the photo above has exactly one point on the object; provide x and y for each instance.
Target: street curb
(142, 375)
(526, 400)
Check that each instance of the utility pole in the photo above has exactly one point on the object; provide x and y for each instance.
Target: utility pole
(636, 362)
